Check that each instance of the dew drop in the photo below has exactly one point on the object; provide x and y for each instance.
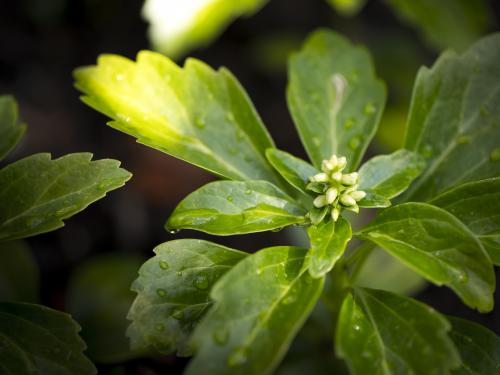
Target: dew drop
(123, 117)
(237, 357)
(65, 210)
(178, 314)
(495, 154)
(34, 221)
(316, 141)
(288, 300)
(173, 231)
(463, 277)
(179, 273)
(229, 198)
(159, 327)
(427, 151)
(161, 292)
(463, 139)
(220, 336)
(349, 123)
(200, 282)
(370, 109)
(354, 143)
(200, 122)
(163, 265)
(248, 191)
(356, 327)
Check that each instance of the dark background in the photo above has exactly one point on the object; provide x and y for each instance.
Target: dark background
(42, 41)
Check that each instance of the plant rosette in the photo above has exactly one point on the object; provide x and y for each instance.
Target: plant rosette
(238, 313)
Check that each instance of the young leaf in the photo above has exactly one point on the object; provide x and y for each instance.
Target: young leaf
(259, 307)
(294, 170)
(19, 275)
(387, 176)
(37, 193)
(347, 8)
(437, 245)
(236, 207)
(334, 97)
(477, 205)
(478, 347)
(194, 113)
(176, 27)
(99, 296)
(172, 293)
(453, 119)
(328, 242)
(445, 23)
(10, 131)
(380, 332)
(38, 340)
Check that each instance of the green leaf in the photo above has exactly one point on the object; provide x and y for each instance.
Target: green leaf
(445, 23)
(37, 193)
(19, 276)
(347, 8)
(386, 176)
(259, 307)
(38, 340)
(396, 277)
(454, 119)
(10, 131)
(328, 243)
(438, 246)
(383, 333)
(236, 207)
(173, 293)
(478, 347)
(294, 170)
(334, 97)
(477, 205)
(99, 297)
(194, 113)
(177, 27)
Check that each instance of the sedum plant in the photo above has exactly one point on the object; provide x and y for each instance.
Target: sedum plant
(37, 194)
(437, 201)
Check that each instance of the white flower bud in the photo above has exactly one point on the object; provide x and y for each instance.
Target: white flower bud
(331, 195)
(354, 208)
(320, 201)
(320, 177)
(341, 162)
(350, 179)
(327, 166)
(337, 176)
(347, 200)
(358, 195)
(335, 214)
(334, 161)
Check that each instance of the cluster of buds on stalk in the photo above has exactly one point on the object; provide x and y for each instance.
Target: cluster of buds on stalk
(337, 191)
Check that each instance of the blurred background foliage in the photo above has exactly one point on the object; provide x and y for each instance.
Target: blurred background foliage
(86, 268)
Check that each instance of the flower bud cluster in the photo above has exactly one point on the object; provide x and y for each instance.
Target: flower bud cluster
(337, 191)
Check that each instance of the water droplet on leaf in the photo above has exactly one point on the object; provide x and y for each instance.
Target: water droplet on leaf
(370, 109)
(161, 292)
(354, 143)
(463, 139)
(178, 314)
(200, 282)
(349, 123)
(220, 336)
(163, 265)
(229, 198)
(495, 154)
(237, 358)
(248, 191)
